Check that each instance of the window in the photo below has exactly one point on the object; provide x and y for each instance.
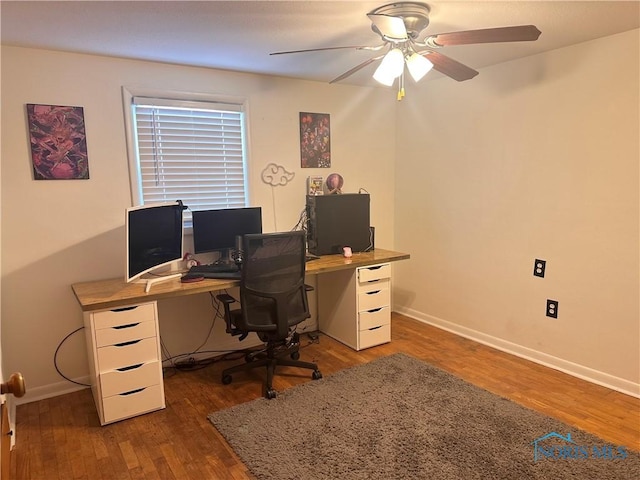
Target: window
(187, 150)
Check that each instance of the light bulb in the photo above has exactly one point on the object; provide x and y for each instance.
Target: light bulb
(418, 66)
(390, 68)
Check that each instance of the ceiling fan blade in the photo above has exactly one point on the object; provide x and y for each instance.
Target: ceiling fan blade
(521, 33)
(388, 26)
(356, 68)
(449, 66)
(353, 47)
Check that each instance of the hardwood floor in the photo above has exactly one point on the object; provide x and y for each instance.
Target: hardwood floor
(61, 438)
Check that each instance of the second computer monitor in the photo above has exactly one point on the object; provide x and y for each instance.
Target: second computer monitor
(216, 230)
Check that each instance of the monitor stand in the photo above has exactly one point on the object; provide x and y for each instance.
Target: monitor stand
(150, 280)
(226, 257)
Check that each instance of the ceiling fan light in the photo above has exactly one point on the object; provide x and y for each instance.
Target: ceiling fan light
(390, 68)
(418, 66)
(383, 77)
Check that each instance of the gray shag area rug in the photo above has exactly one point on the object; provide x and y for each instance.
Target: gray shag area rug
(400, 418)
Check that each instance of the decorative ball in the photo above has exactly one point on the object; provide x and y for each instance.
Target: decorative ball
(335, 183)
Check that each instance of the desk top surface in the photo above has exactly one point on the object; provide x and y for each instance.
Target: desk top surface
(115, 292)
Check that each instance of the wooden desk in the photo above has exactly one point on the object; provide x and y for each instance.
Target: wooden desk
(114, 293)
(123, 339)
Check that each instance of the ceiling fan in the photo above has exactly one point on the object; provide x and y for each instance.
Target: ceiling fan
(400, 25)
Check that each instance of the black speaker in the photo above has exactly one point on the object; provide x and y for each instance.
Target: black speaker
(336, 221)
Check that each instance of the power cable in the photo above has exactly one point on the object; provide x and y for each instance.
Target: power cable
(55, 359)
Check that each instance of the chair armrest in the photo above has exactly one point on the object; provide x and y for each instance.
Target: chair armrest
(226, 299)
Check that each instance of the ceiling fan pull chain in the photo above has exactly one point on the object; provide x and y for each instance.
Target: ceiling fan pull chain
(401, 87)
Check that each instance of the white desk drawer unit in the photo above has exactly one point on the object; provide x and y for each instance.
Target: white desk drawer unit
(125, 361)
(356, 306)
(377, 296)
(127, 354)
(133, 403)
(128, 379)
(124, 333)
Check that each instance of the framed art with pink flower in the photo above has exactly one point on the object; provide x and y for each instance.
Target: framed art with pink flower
(58, 142)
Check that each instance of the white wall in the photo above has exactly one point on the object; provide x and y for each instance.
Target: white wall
(56, 233)
(535, 158)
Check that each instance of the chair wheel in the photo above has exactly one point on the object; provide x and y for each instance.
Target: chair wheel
(226, 379)
(295, 355)
(270, 394)
(316, 375)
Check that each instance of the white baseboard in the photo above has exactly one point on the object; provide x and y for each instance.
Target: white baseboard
(52, 390)
(580, 371)
(64, 387)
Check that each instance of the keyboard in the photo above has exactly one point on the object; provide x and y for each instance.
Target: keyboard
(215, 268)
(221, 275)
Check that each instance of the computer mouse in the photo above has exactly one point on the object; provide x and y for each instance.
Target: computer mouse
(191, 277)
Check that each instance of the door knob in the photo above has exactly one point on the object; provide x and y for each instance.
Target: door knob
(15, 385)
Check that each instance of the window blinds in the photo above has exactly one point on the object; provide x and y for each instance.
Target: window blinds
(192, 151)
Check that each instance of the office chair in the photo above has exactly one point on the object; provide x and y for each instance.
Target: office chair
(273, 299)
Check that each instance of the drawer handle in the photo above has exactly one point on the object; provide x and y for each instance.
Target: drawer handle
(374, 292)
(120, 327)
(124, 309)
(132, 392)
(374, 268)
(126, 344)
(130, 367)
(375, 328)
(374, 310)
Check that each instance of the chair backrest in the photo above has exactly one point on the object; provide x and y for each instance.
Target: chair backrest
(272, 289)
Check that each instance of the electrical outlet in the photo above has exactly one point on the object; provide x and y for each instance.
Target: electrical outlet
(539, 267)
(552, 308)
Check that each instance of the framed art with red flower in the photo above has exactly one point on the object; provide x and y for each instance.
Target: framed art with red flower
(58, 142)
(315, 140)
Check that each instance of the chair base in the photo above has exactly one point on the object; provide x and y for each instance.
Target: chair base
(273, 356)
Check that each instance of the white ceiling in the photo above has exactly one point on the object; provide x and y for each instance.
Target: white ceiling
(239, 35)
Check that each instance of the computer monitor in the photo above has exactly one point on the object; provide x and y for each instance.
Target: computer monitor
(216, 230)
(154, 239)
